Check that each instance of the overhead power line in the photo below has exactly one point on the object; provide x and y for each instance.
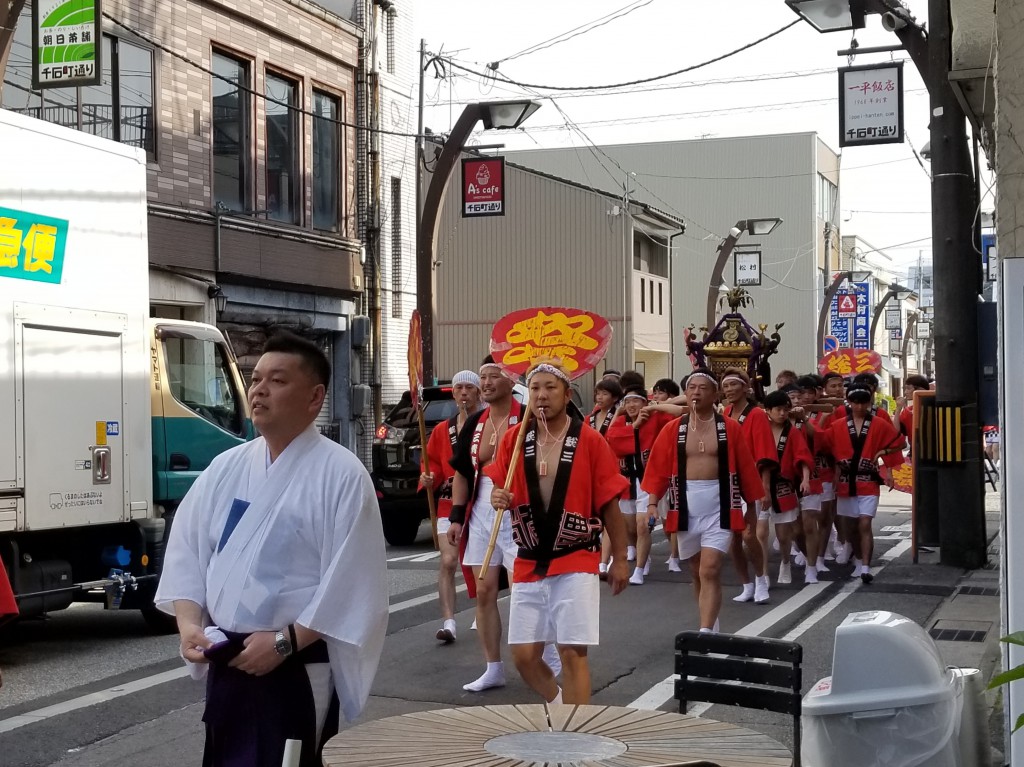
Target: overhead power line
(582, 29)
(641, 81)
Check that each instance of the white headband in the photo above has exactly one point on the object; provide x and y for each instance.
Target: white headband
(546, 368)
(635, 395)
(732, 377)
(704, 375)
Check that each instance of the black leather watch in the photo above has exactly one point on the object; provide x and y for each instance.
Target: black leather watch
(282, 644)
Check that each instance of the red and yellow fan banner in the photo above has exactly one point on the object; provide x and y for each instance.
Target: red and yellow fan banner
(850, 362)
(576, 337)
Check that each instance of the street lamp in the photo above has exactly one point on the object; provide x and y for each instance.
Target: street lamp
(960, 485)
(496, 115)
(826, 303)
(753, 226)
(829, 15)
(896, 291)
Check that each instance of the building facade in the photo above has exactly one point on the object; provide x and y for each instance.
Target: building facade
(247, 112)
(713, 183)
(562, 244)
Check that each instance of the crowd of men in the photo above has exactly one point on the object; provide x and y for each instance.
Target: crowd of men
(718, 469)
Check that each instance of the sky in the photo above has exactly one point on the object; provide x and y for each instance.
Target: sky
(787, 84)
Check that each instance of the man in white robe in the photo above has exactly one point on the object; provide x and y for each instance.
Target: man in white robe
(276, 572)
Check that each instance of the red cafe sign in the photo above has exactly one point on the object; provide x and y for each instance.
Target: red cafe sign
(483, 187)
(849, 362)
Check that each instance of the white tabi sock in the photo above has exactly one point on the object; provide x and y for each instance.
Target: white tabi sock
(494, 676)
(747, 595)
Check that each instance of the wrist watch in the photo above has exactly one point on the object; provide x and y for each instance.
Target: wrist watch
(282, 644)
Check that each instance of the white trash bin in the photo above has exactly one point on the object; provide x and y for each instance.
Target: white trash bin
(890, 701)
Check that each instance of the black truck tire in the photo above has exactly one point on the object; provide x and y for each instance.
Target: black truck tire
(400, 529)
(156, 619)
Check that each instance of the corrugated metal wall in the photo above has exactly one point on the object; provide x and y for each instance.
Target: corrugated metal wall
(713, 183)
(557, 245)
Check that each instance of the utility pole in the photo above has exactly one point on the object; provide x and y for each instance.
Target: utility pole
(960, 486)
(10, 11)
(419, 145)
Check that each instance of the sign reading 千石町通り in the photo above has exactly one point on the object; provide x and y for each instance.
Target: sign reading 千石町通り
(871, 104)
(483, 187)
(66, 45)
(31, 246)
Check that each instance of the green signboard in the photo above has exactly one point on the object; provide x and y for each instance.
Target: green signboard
(32, 246)
(66, 43)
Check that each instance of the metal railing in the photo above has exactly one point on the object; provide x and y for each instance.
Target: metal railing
(134, 126)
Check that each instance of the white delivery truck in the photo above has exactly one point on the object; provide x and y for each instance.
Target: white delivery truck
(106, 416)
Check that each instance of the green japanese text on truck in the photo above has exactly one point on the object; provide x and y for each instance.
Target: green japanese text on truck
(106, 415)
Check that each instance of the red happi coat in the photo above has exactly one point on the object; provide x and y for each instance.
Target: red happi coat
(633, 446)
(786, 471)
(757, 431)
(824, 467)
(565, 537)
(606, 422)
(738, 476)
(440, 448)
(856, 467)
(465, 461)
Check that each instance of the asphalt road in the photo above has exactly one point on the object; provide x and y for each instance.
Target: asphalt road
(90, 687)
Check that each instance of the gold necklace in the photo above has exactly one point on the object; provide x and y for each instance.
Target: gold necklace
(701, 430)
(494, 429)
(542, 465)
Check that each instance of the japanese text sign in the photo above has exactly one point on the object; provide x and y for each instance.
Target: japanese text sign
(483, 187)
(578, 338)
(415, 356)
(66, 43)
(32, 246)
(850, 316)
(747, 264)
(893, 318)
(850, 362)
(871, 104)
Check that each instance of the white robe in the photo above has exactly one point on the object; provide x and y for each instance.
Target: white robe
(309, 549)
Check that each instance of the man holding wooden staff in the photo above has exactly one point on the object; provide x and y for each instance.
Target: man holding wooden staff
(562, 494)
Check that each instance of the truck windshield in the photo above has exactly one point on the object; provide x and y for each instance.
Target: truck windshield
(199, 377)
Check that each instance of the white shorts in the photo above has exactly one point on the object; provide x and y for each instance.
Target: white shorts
(638, 506)
(705, 521)
(857, 506)
(811, 503)
(784, 517)
(764, 513)
(564, 609)
(480, 525)
(828, 491)
(443, 524)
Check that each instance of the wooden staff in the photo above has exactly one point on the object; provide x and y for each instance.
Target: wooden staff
(424, 467)
(513, 463)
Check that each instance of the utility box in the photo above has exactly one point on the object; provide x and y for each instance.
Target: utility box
(890, 701)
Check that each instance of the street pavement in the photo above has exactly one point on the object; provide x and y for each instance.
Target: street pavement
(89, 688)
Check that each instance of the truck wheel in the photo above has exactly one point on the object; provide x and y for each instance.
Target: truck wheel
(400, 529)
(158, 621)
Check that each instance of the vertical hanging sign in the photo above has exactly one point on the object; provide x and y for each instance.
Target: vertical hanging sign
(483, 187)
(871, 104)
(66, 43)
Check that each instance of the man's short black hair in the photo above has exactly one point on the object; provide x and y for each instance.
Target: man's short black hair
(917, 380)
(867, 378)
(808, 382)
(631, 378)
(313, 357)
(611, 386)
(777, 398)
(704, 372)
(829, 376)
(859, 392)
(668, 386)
